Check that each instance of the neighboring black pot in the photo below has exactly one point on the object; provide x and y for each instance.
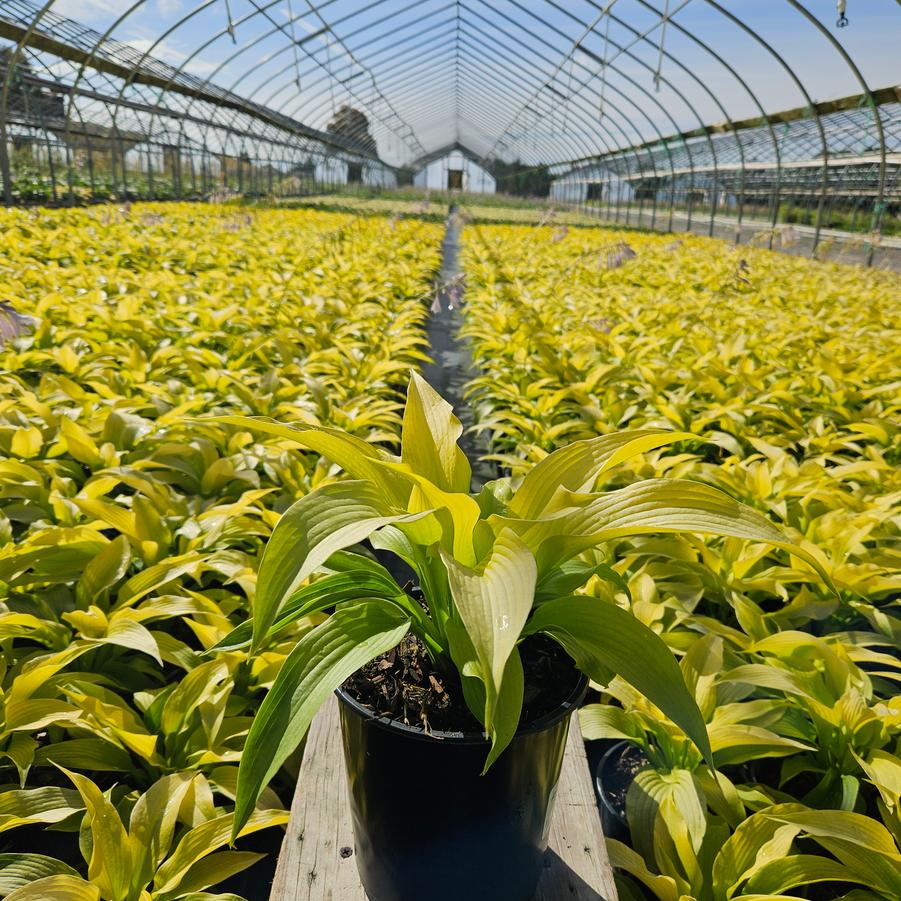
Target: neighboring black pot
(611, 783)
(427, 824)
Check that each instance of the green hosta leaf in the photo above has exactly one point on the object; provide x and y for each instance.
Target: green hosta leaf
(429, 438)
(372, 583)
(329, 519)
(57, 888)
(601, 637)
(321, 661)
(577, 467)
(20, 870)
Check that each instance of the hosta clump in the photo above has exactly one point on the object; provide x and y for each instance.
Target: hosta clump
(495, 568)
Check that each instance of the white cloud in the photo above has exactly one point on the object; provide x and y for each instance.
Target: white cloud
(172, 55)
(86, 10)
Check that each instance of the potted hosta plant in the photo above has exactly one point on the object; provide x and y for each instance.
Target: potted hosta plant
(455, 702)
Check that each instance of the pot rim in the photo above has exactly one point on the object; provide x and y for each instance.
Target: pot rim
(564, 709)
(618, 749)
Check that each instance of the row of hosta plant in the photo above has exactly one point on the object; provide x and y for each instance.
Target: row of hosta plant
(427, 204)
(788, 373)
(131, 525)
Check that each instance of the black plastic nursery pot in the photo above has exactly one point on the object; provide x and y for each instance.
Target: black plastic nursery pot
(427, 824)
(615, 773)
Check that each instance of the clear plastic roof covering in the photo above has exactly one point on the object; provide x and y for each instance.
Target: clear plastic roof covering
(541, 81)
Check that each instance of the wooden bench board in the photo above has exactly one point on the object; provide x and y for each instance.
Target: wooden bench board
(317, 862)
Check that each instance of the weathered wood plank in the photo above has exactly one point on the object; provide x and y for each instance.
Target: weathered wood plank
(311, 866)
(576, 864)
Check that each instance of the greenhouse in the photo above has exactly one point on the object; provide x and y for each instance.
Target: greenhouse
(450, 450)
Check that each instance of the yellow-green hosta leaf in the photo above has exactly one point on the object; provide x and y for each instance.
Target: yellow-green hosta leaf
(740, 742)
(206, 838)
(624, 858)
(20, 870)
(754, 842)
(580, 521)
(26, 442)
(328, 519)
(356, 457)
(601, 637)
(352, 636)
(429, 439)
(152, 825)
(776, 876)
(578, 466)
(78, 442)
(604, 721)
(494, 602)
(86, 754)
(61, 887)
(48, 804)
(154, 577)
(667, 804)
(212, 870)
(110, 865)
(454, 524)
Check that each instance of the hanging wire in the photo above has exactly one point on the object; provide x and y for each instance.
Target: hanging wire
(294, 45)
(230, 28)
(842, 18)
(659, 73)
(606, 46)
(328, 66)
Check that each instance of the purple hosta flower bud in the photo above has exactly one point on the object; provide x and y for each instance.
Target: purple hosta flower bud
(560, 234)
(12, 324)
(436, 303)
(604, 325)
(740, 271)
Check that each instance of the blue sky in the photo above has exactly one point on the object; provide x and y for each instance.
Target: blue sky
(476, 74)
